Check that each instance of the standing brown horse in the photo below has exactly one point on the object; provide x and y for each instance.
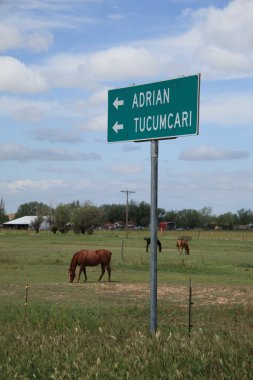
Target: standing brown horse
(183, 244)
(85, 258)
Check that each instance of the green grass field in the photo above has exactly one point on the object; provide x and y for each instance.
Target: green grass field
(101, 330)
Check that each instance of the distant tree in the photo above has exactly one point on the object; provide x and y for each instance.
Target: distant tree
(206, 217)
(171, 216)
(37, 223)
(227, 220)
(245, 216)
(114, 212)
(206, 212)
(61, 218)
(51, 221)
(86, 217)
(138, 213)
(75, 204)
(132, 212)
(32, 209)
(143, 214)
(2, 207)
(188, 218)
(161, 214)
(3, 217)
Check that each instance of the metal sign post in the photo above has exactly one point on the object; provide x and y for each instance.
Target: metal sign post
(151, 112)
(153, 236)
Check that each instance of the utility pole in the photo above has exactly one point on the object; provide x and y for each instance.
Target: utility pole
(127, 192)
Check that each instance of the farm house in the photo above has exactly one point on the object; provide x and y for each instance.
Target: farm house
(24, 223)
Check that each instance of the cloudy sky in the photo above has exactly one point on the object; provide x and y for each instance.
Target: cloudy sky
(58, 59)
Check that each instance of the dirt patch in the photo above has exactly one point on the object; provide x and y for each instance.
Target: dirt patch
(201, 295)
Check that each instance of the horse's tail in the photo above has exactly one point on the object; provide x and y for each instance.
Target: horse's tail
(107, 255)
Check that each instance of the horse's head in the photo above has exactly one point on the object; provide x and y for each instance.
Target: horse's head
(72, 275)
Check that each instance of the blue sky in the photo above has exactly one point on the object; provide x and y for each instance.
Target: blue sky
(58, 59)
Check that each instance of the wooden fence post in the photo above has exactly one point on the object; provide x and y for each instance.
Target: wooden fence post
(26, 300)
(122, 250)
(190, 308)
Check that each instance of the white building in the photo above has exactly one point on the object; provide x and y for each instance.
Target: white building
(24, 223)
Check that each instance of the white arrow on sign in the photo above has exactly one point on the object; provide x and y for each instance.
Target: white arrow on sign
(118, 103)
(117, 127)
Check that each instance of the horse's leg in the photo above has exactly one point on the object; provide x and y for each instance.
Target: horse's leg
(84, 272)
(103, 271)
(108, 267)
(80, 271)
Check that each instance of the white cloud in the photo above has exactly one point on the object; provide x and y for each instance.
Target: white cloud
(124, 62)
(16, 106)
(58, 135)
(223, 190)
(99, 97)
(19, 107)
(14, 152)
(218, 43)
(96, 123)
(227, 109)
(28, 114)
(16, 77)
(30, 24)
(208, 153)
(22, 185)
(10, 37)
(67, 71)
(116, 16)
(221, 60)
(225, 27)
(38, 41)
(126, 169)
(130, 147)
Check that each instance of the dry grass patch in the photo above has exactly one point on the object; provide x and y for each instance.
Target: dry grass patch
(82, 293)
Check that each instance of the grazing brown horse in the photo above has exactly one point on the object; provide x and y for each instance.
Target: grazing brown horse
(148, 243)
(183, 244)
(85, 258)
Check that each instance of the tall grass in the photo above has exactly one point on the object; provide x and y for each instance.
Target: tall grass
(114, 343)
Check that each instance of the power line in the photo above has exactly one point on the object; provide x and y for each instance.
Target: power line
(127, 192)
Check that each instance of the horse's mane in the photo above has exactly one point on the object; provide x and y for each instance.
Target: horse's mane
(72, 263)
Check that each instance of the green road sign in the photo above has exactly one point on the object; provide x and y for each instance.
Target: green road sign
(158, 110)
